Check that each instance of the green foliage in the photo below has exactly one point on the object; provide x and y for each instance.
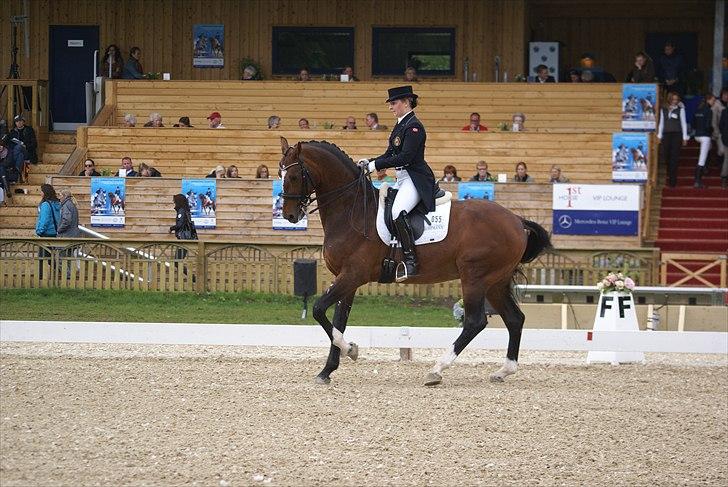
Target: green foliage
(503, 126)
(328, 125)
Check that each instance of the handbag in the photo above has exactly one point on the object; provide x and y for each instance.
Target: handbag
(188, 232)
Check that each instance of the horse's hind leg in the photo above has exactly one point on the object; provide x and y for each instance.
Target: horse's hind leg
(341, 316)
(502, 299)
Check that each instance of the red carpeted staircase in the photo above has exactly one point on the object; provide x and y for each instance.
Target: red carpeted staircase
(694, 220)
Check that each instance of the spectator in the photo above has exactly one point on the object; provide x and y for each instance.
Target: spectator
(574, 76)
(671, 68)
(350, 124)
(147, 171)
(26, 136)
(303, 124)
(702, 125)
(89, 168)
(598, 75)
(112, 58)
(215, 120)
(184, 226)
(381, 175)
(250, 73)
(127, 167)
(218, 172)
(349, 71)
(671, 129)
(542, 75)
(723, 126)
(261, 172)
(184, 122)
(556, 176)
(717, 109)
(372, 121)
(522, 174)
(155, 120)
(232, 172)
(129, 120)
(643, 70)
(519, 120)
(68, 226)
(8, 171)
(274, 122)
(410, 75)
(16, 156)
(449, 174)
(133, 68)
(49, 212)
(587, 76)
(304, 75)
(482, 174)
(475, 125)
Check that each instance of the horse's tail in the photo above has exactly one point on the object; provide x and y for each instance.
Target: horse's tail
(538, 241)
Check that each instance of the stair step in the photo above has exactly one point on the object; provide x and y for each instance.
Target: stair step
(670, 201)
(691, 223)
(54, 158)
(704, 213)
(714, 192)
(694, 233)
(691, 245)
(62, 137)
(60, 147)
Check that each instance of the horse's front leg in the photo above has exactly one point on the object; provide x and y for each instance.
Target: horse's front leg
(341, 316)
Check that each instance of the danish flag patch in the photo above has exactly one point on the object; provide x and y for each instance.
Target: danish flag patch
(415, 129)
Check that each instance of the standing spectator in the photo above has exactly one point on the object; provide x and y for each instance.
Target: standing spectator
(556, 176)
(128, 167)
(723, 126)
(184, 227)
(482, 173)
(147, 171)
(232, 172)
(26, 135)
(349, 71)
(449, 174)
(303, 124)
(670, 131)
(112, 64)
(542, 75)
(89, 168)
(522, 174)
(671, 69)
(350, 124)
(133, 68)
(218, 173)
(643, 70)
(372, 121)
(702, 125)
(261, 172)
(410, 75)
(68, 228)
(475, 125)
(574, 76)
(215, 120)
(49, 212)
(519, 121)
(304, 75)
(184, 122)
(274, 122)
(717, 108)
(155, 120)
(129, 120)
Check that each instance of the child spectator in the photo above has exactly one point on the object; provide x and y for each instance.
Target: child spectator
(89, 168)
(449, 174)
(522, 174)
(482, 174)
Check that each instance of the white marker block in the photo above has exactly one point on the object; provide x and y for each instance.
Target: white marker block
(615, 312)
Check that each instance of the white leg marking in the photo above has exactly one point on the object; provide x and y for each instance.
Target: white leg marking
(445, 361)
(340, 342)
(509, 368)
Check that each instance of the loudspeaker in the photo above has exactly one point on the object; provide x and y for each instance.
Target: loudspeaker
(304, 277)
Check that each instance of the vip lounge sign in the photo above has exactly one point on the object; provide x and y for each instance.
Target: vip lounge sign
(596, 209)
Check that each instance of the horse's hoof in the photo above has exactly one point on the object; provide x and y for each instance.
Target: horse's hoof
(322, 381)
(496, 377)
(432, 379)
(353, 352)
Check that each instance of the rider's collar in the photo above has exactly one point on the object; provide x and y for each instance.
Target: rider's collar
(399, 119)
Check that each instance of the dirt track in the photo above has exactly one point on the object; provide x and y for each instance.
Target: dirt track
(85, 415)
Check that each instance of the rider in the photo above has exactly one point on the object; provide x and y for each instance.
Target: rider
(415, 180)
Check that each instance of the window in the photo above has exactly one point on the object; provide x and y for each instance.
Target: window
(429, 51)
(320, 49)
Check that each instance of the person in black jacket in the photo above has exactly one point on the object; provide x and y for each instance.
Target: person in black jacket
(184, 227)
(415, 179)
(26, 135)
(702, 125)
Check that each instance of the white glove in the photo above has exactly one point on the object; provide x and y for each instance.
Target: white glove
(363, 164)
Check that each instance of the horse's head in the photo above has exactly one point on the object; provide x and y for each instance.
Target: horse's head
(297, 182)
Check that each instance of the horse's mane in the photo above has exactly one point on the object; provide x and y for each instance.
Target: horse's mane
(337, 152)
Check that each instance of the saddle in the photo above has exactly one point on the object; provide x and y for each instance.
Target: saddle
(416, 218)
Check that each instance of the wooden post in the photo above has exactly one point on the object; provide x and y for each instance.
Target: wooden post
(201, 284)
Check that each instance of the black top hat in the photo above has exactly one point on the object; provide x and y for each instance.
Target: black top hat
(400, 92)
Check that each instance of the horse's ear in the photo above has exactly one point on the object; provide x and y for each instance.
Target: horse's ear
(297, 151)
(284, 145)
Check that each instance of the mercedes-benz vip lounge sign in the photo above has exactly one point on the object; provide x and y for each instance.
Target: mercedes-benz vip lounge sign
(596, 209)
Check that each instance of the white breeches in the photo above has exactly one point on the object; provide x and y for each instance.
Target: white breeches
(704, 148)
(407, 196)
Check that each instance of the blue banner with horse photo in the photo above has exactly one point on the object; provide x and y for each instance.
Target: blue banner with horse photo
(638, 107)
(208, 45)
(476, 190)
(201, 195)
(629, 157)
(279, 222)
(108, 201)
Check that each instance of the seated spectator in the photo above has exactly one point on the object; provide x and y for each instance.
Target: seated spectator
(350, 124)
(542, 75)
(49, 212)
(184, 122)
(250, 73)
(349, 71)
(304, 75)
(482, 174)
(274, 122)
(147, 171)
(112, 64)
(89, 168)
(133, 68)
(25, 136)
(218, 173)
(598, 75)
(303, 124)
(643, 70)
(261, 172)
(381, 175)
(127, 168)
(574, 76)
(68, 224)
(587, 76)
(372, 121)
(556, 176)
(475, 125)
(215, 120)
(410, 74)
(129, 120)
(449, 174)
(16, 156)
(519, 120)
(8, 171)
(232, 172)
(522, 174)
(155, 120)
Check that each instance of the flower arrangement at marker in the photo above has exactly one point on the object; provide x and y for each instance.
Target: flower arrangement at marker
(616, 283)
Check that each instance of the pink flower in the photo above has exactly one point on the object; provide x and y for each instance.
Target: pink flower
(629, 283)
(606, 282)
(612, 278)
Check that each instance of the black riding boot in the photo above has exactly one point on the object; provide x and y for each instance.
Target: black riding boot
(408, 268)
(699, 177)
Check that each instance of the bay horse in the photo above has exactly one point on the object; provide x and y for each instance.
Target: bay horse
(484, 248)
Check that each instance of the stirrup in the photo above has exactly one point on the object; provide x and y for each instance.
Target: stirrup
(401, 273)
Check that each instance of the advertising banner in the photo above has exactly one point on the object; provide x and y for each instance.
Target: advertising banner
(596, 209)
(108, 200)
(629, 156)
(280, 223)
(638, 106)
(476, 190)
(208, 45)
(201, 195)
